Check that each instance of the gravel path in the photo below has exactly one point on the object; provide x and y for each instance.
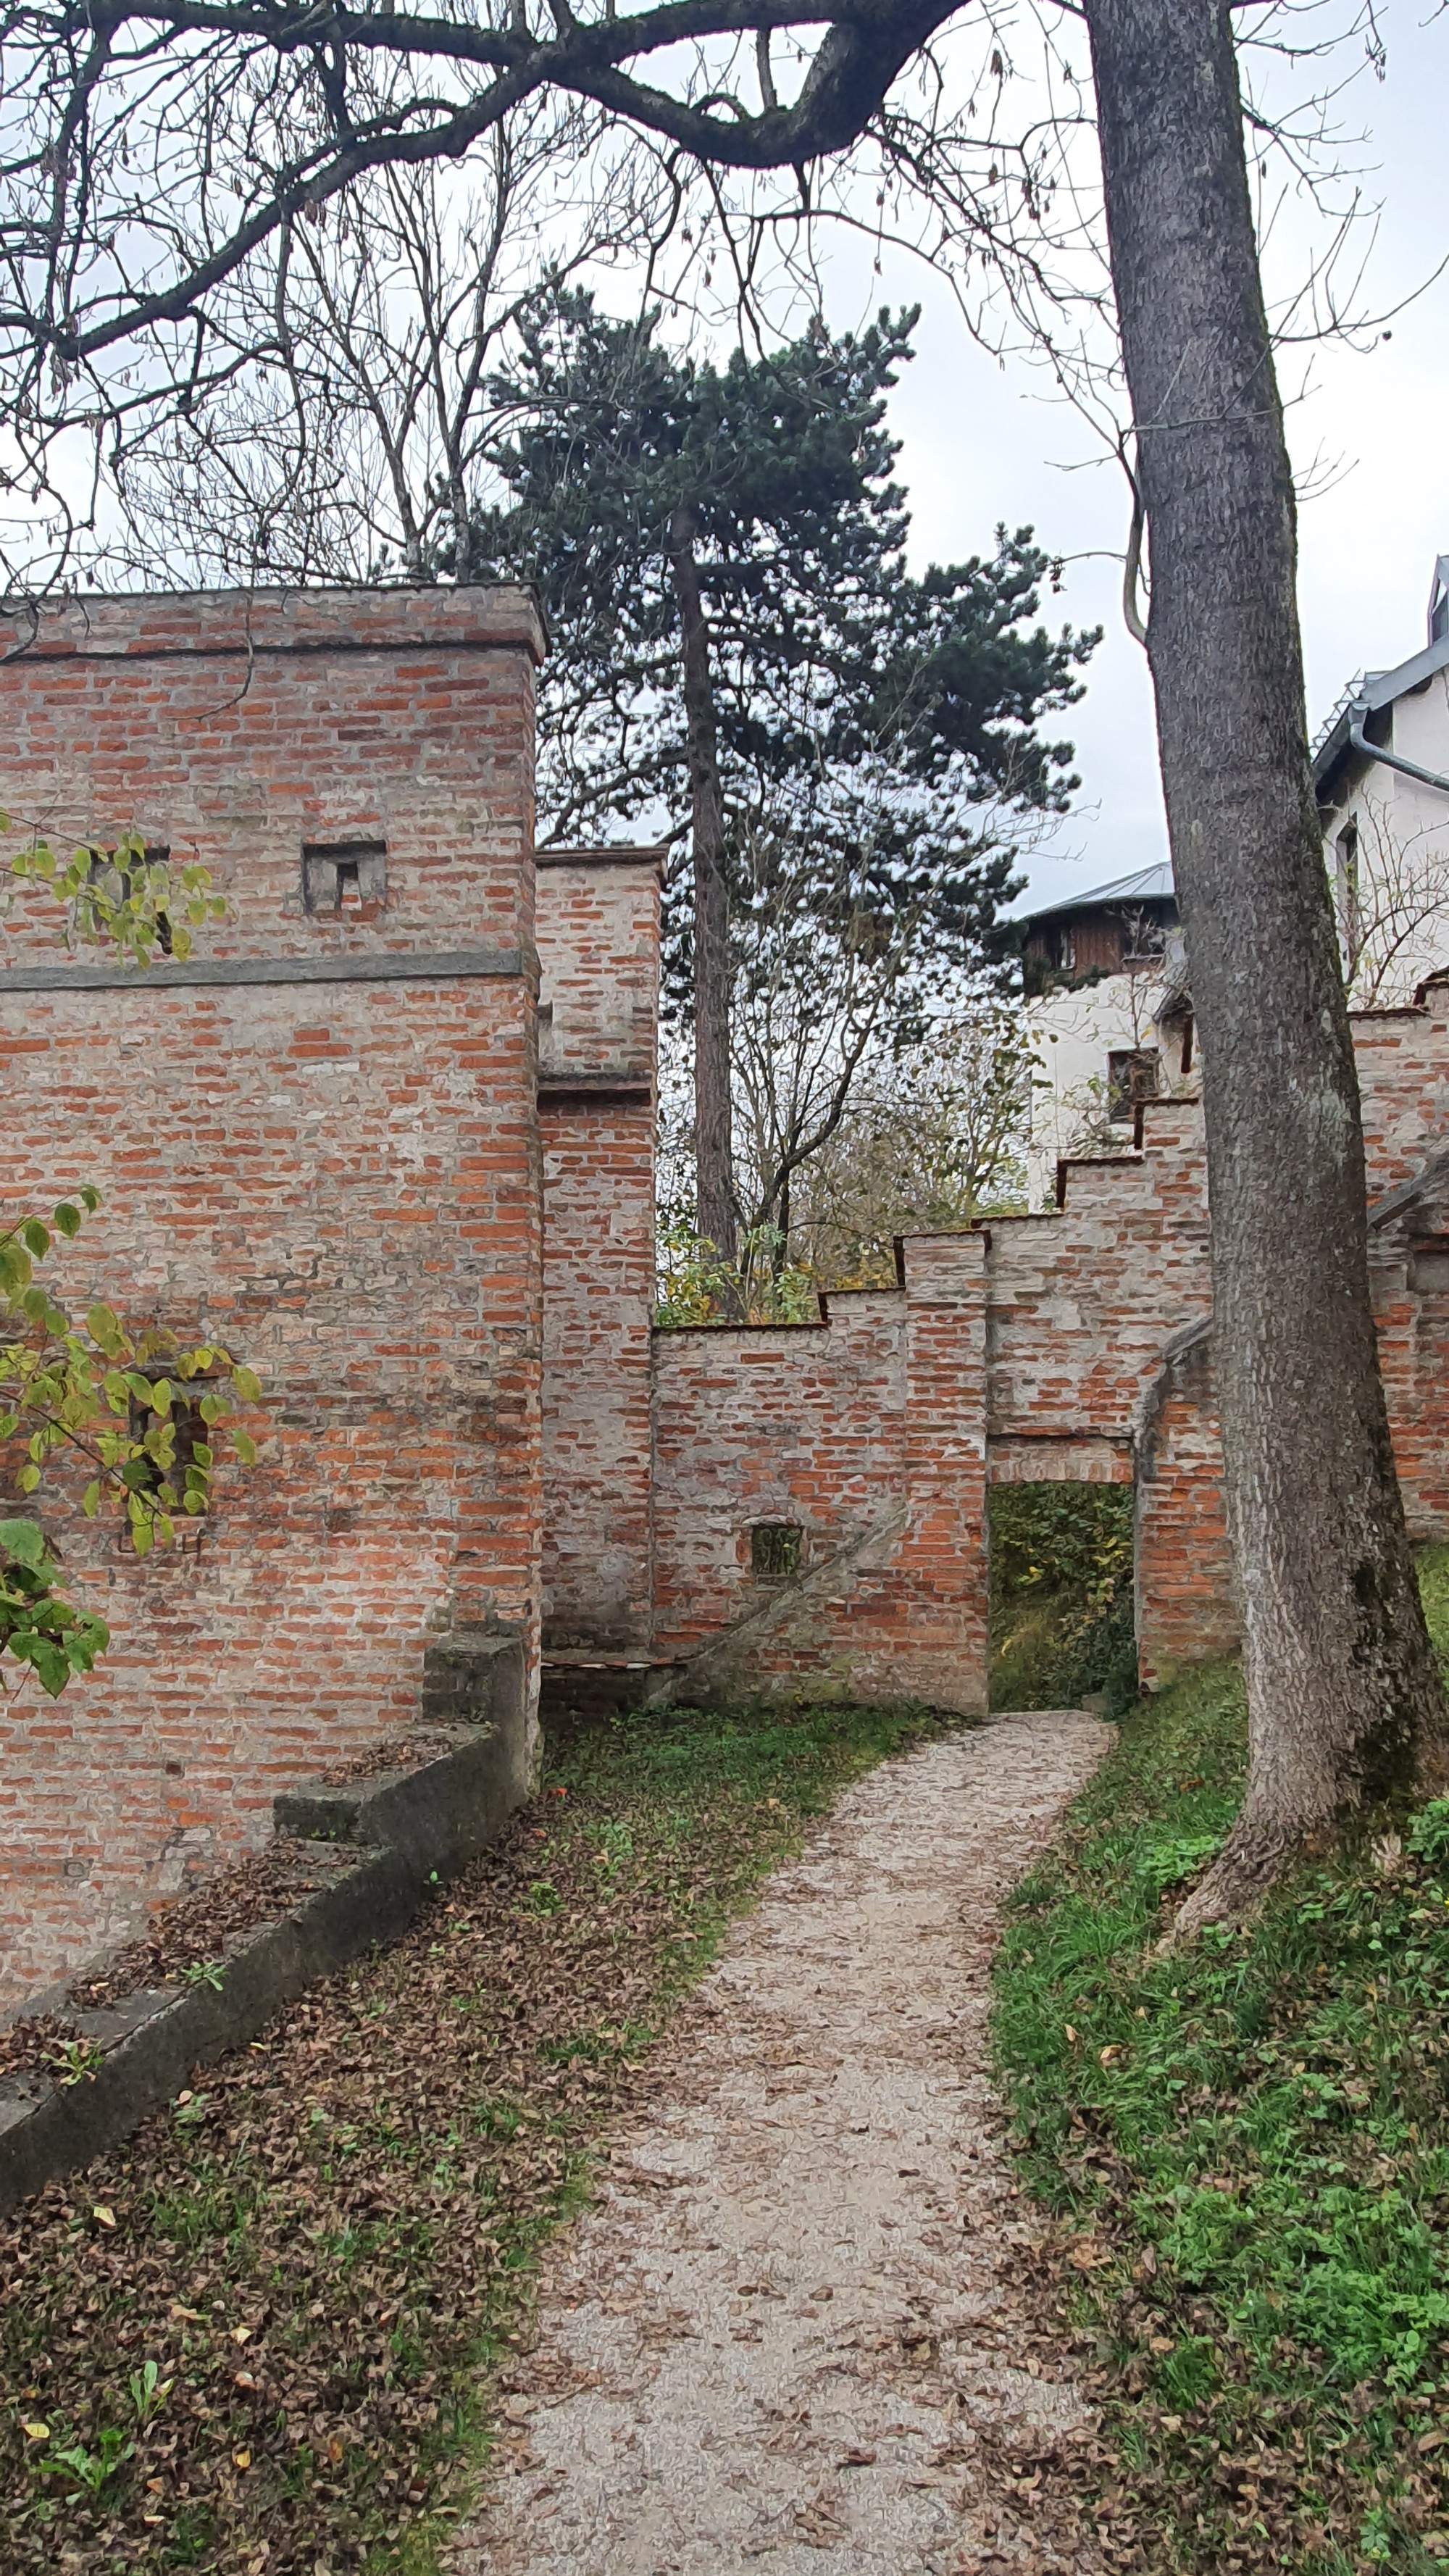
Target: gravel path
(784, 2336)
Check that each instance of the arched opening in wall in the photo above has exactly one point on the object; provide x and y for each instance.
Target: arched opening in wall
(1061, 1595)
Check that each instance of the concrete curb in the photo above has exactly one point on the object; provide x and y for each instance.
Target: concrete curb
(381, 1842)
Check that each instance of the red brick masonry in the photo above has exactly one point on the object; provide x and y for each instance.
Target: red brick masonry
(390, 1138)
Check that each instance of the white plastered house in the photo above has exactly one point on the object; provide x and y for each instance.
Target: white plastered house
(1108, 1005)
(1108, 1016)
(1381, 769)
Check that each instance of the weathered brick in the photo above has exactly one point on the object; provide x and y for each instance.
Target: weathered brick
(340, 1183)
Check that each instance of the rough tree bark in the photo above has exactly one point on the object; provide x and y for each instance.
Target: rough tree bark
(713, 1155)
(1344, 1699)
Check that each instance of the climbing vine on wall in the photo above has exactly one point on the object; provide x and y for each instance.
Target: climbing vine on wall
(137, 1408)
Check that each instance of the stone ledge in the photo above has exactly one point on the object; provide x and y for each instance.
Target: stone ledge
(385, 1839)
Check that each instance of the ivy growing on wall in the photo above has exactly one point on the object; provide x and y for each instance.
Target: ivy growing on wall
(136, 1409)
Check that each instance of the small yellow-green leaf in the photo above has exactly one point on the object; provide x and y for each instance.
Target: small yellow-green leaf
(28, 1479)
(248, 1386)
(91, 1499)
(67, 1220)
(141, 1537)
(245, 1447)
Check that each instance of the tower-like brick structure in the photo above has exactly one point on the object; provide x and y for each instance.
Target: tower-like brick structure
(316, 1144)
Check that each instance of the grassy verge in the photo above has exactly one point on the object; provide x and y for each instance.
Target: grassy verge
(1248, 2145)
(259, 2339)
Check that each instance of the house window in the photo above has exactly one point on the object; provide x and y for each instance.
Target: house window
(340, 877)
(1132, 1077)
(1144, 941)
(775, 1551)
(1346, 892)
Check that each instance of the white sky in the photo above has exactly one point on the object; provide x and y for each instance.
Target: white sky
(983, 443)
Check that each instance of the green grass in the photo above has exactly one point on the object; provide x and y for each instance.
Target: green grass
(329, 2250)
(1250, 2141)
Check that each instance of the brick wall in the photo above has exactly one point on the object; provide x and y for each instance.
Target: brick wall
(357, 1145)
(1186, 1609)
(598, 945)
(865, 1433)
(337, 1178)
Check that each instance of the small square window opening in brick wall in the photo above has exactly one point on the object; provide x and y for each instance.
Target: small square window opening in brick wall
(343, 876)
(1429, 1266)
(775, 1551)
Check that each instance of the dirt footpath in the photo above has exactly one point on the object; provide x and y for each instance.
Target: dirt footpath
(783, 2338)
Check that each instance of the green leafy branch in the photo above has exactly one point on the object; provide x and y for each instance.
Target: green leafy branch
(128, 898)
(696, 1286)
(140, 1410)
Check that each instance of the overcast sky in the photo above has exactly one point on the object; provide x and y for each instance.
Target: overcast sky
(983, 444)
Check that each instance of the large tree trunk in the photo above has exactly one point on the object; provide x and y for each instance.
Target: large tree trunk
(712, 1124)
(1343, 1696)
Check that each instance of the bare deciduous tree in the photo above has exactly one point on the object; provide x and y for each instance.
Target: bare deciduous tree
(349, 440)
(929, 1140)
(1391, 899)
(1344, 1698)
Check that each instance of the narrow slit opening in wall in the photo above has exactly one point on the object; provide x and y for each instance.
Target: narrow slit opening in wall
(191, 1433)
(343, 876)
(775, 1551)
(156, 854)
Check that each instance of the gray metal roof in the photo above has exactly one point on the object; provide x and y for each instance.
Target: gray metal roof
(1149, 885)
(1363, 697)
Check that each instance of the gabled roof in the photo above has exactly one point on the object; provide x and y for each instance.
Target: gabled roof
(1149, 885)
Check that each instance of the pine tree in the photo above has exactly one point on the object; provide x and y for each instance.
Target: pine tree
(721, 556)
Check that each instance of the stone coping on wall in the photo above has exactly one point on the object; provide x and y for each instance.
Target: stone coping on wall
(384, 1841)
(607, 854)
(140, 625)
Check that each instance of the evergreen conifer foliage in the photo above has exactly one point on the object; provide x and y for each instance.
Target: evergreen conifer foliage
(737, 638)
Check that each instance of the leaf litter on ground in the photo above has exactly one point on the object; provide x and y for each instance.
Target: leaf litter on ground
(325, 2245)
